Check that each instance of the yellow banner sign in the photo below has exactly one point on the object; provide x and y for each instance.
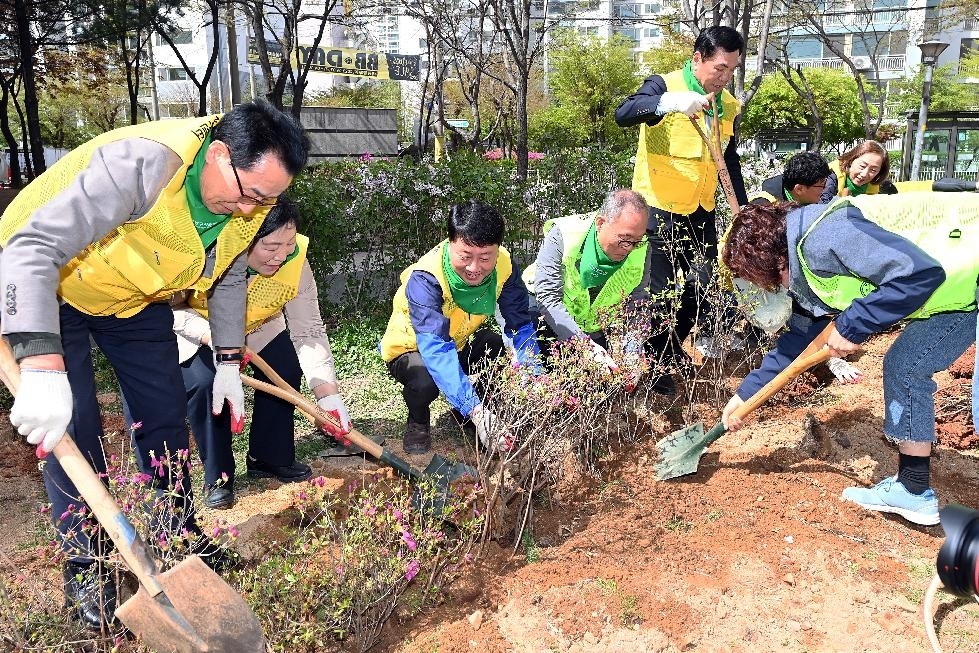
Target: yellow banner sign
(359, 63)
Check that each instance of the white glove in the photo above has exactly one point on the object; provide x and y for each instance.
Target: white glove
(602, 357)
(227, 387)
(488, 430)
(843, 371)
(334, 405)
(42, 408)
(766, 310)
(688, 102)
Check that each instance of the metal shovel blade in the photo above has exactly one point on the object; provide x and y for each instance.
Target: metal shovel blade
(220, 618)
(680, 453)
(435, 483)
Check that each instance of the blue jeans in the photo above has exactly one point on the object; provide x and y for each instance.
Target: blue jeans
(923, 348)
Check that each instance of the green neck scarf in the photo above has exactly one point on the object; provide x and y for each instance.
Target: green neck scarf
(595, 265)
(854, 189)
(208, 224)
(693, 84)
(788, 195)
(475, 300)
(294, 254)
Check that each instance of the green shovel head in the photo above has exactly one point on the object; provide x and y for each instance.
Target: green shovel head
(679, 454)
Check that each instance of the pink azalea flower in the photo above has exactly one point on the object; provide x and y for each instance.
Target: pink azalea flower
(409, 540)
(412, 570)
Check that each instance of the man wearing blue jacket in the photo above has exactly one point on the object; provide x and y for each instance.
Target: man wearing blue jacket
(870, 262)
(436, 335)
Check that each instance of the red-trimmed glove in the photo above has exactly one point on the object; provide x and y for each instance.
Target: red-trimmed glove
(333, 404)
(227, 387)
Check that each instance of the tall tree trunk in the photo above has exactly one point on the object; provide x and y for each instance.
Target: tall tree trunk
(16, 176)
(30, 90)
(233, 55)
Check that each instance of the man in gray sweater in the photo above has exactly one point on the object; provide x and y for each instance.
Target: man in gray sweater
(92, 250)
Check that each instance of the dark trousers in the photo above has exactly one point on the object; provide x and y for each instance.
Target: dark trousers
(419, 387)
(142, 350)
(271, 436)
(684, 243)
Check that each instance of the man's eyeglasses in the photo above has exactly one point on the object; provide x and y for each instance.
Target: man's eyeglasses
(625, 243)
(248, 199)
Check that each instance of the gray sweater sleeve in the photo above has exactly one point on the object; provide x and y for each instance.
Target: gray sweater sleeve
(549, 287)
(120, 183)
(226, 306)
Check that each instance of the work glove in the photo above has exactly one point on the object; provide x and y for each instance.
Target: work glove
(333, 404)
(42, 408)
(602, 357)
(227, 387)
(766, 310)
(489, 432)
(631, 353)
(843, 371)
(687, 102)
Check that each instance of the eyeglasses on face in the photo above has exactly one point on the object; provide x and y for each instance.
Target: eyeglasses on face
(246, 198)
(625, 243)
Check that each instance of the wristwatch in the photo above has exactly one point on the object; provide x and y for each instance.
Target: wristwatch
(228, 357)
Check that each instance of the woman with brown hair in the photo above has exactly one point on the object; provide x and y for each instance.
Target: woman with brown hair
(859, 171)
(868, 263)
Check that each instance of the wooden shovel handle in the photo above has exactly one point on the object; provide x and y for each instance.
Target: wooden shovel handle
(817, 352)
(719, 163)
(131, 547)
(286, 392)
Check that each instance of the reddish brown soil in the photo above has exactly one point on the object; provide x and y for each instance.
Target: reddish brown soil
(755, 552)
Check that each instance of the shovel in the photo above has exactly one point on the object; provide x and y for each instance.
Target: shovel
(679, 454)
(185, 609)
(714, 147)
(440, 471)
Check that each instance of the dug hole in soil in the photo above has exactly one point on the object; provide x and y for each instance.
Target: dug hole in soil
(755, 552)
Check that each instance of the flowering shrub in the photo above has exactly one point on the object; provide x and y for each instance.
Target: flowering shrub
(371, 218)
(352, 560)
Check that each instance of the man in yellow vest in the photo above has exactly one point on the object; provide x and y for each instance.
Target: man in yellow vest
(434, 338)
(676, 174)
(587, 265)
(92, 249)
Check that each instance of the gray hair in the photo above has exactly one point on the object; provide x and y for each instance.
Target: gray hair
(617, 201)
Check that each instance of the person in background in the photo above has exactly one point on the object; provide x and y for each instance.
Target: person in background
(92, 251)
(869, 263)
(436, 335)
(677, 176)
(859, 171)
(285, 328)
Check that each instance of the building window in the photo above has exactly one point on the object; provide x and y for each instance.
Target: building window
(171, 74)
(650, 32)
(179, 37)
(653, 9)
(967, 47)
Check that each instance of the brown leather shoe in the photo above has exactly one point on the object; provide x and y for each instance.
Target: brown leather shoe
(417, 438)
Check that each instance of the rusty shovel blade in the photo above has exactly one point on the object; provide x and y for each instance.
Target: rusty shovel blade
(194, 597)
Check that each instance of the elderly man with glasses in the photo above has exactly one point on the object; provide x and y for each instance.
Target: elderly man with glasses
(92, 251)
(586, 266)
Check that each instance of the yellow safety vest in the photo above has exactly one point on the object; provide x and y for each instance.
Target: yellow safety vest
(148, 259)
(399, 338)
(267, 295)
(834, 167)
(674, 169)
(587, 313)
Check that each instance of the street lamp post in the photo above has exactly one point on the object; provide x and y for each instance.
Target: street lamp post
(930, 51)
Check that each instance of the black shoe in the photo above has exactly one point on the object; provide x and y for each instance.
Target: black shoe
(285, 473)
(664, 385)
(417, 438)
(91, 592)
(220, 497)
